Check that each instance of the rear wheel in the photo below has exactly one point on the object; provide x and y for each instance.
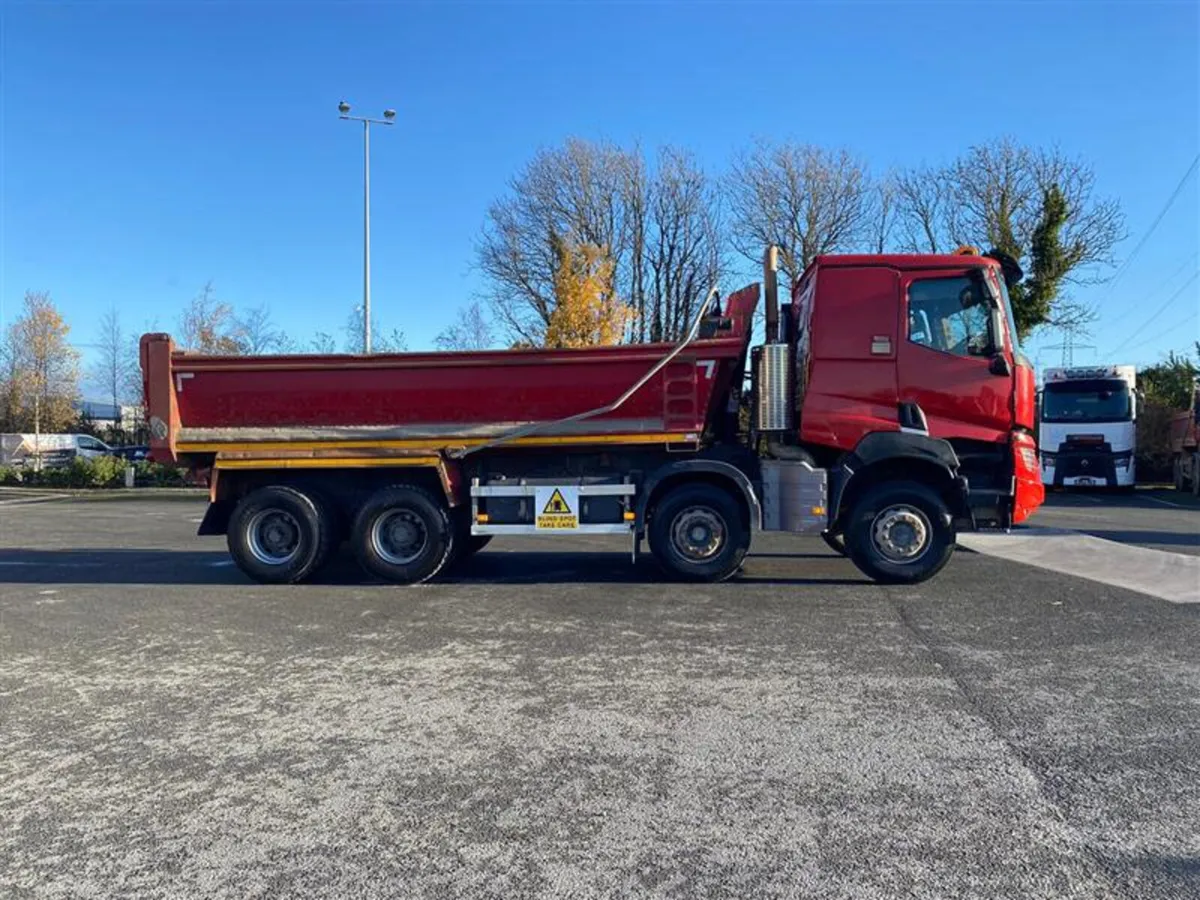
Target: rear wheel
(403, 534)
(1177, 473)
(279, 535)
(698, 533)
(900, 532)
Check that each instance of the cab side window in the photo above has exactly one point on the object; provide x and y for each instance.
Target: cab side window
(951, 315)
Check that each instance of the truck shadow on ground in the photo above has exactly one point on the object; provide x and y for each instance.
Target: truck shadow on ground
(215, 568)
(1167, 538)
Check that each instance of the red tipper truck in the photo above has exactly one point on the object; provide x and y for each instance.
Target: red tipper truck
(1185, 445)
(890, 408)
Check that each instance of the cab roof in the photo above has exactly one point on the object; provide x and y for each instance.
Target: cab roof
(904, 260)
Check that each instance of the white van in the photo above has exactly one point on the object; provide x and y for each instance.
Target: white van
(52, 449)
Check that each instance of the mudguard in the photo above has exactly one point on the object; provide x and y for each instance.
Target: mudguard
(687, 467)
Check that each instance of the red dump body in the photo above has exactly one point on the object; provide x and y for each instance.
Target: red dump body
(201, 404)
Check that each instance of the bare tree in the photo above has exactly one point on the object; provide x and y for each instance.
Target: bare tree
(390, 342)
(208, 325)
(471, 330)
(573, 193)
(923, 210)
(805, 199)
(1037, 205)
(322, 342)
(881, 217)
(116, 362)
(257, 333)
(682, 254)
(659, 228)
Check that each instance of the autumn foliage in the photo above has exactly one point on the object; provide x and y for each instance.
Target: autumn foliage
(587, 312)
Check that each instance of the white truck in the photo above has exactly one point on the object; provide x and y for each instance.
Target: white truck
(49, 450)
(1087, 426)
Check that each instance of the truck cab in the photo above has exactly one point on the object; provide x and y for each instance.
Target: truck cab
(918, 357)
(1088, 427)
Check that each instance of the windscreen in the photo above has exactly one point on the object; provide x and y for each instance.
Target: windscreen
(1096, 400)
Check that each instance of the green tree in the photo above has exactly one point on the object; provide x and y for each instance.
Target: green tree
(1170, 382)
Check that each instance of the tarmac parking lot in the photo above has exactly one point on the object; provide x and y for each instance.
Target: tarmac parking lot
(553, 721)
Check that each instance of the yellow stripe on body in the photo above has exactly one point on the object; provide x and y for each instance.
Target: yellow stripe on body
(436, 444)
(328, 462)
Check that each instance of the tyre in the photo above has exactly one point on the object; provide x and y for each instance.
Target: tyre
(1177, 474)
(698, 533)
(835, 542)
(403, 534)
(900, 532)
(1196, 475)
(279, 535)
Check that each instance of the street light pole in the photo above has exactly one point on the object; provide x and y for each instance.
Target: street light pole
(389, 116)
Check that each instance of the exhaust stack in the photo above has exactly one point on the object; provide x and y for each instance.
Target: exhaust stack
(771, 290)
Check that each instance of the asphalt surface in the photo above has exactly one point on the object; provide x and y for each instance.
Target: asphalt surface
(1160, 519)
(551, 723)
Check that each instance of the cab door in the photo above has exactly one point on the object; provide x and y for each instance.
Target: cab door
(951, 359)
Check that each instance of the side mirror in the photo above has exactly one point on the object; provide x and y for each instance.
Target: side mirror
(998, 365)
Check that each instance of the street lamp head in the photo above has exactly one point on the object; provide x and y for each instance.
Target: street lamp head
(389, 114)
(343, 107)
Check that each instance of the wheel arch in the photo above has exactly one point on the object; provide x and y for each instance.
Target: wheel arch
(887, 456)
(714, 472)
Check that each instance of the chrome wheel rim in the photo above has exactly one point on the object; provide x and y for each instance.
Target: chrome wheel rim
(698, 533)
(902, 533)
(399, 537)
(274, 536)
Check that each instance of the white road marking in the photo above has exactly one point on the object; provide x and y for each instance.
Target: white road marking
(46, 593)
(1174, 577)
(221, 563)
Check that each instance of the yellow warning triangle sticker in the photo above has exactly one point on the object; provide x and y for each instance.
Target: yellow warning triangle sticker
(556, 505)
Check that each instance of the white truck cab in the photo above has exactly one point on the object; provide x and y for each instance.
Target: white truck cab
(1087, 426)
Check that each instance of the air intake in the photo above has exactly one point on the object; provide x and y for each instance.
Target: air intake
(772, 381)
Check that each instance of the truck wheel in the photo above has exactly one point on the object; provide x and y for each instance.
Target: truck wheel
(1177, 473)
(697, 533)
(900, 533)
(403, 534)
(1196, 475)
(278, 535)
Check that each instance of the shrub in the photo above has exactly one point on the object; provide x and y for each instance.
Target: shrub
(9, 476)
(152, 474)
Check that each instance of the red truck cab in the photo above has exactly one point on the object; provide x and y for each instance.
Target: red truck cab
(918, 345)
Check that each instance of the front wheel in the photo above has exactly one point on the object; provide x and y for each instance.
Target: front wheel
(900, 532)
(698, 533)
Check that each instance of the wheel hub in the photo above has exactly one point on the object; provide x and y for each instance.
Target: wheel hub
(399, 537)
(698, 533)
(274, 537)
(901, 533)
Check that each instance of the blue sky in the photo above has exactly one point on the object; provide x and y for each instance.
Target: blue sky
(150, 147)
